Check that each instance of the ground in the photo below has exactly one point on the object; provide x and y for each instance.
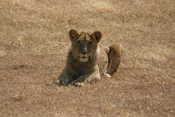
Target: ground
(33, 46)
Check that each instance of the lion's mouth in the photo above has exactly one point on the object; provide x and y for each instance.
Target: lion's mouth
(84, 58)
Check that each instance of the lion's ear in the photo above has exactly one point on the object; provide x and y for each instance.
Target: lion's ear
(73, 34)
(97, 35)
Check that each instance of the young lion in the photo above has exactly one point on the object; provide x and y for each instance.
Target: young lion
(84, 59)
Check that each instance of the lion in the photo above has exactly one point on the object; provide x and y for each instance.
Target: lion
(87, 61)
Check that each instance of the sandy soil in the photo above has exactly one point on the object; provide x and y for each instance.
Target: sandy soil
(33, 46)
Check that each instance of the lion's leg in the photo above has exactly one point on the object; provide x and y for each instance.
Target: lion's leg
(89, 78)
(65, 78)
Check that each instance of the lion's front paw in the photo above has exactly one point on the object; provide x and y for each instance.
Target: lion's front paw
(93, 79)
(65, 81)
(107, 75)
(78, 84)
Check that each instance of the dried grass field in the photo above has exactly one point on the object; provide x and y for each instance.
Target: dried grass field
(34, 43)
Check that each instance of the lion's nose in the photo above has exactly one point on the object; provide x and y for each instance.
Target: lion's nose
(84, 50)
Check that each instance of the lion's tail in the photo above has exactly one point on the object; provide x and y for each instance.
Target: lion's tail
(114, 58)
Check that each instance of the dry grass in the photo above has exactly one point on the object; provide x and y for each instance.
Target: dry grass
(34, 43)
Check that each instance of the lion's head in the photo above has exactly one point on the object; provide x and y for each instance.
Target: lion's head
(84, 45)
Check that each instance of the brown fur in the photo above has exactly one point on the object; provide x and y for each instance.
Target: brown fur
(82, 61)
(114, 58)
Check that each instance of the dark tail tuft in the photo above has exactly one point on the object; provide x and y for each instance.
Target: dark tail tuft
(114, 58)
